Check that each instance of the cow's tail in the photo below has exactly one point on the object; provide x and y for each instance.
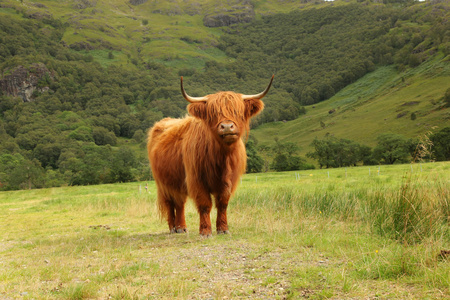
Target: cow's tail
(163, 206)
(152, 137)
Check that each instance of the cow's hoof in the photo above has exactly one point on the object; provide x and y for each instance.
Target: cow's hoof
(223, 232)
(181, 230)
(205, 233)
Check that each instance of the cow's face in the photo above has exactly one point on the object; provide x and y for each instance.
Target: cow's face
(227, 114)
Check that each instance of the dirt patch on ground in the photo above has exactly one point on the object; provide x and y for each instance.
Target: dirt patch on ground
(237, 270)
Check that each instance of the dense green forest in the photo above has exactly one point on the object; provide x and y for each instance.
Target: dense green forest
(85, 119)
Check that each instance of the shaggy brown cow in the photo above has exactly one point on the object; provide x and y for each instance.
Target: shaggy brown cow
(201, 155)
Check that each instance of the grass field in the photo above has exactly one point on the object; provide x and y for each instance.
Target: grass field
(354, 233)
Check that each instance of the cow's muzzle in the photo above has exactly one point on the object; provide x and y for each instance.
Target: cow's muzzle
(228, 131)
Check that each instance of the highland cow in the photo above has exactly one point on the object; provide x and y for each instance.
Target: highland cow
(202, 156)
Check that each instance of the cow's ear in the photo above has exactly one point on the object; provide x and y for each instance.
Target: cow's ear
(253, 107)
(197, 110)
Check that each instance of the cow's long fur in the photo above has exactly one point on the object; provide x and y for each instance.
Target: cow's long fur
(188, 158)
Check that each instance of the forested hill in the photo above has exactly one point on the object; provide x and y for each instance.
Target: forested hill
(82, 81)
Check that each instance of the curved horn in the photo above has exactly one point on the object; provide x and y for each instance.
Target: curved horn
(189, 98)
(260, 95)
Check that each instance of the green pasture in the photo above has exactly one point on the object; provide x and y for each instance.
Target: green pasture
(352, 233)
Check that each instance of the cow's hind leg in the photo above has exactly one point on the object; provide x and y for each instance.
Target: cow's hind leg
(167, 209)
(180, 221)
(175, 216)
(170, 210)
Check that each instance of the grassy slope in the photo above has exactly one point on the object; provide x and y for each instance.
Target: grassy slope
(370, 107)
(175, 34)
(310, 237)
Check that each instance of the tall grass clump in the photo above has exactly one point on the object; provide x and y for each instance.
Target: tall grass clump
(417, 210)
(409, 211)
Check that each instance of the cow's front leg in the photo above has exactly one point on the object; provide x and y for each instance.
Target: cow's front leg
(221, 222)
(222, 205)
(204, 204)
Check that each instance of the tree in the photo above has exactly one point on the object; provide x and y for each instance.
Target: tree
(309, 96)
(18, 172)
(441, 144)
(285, 158)
(48, 154)
(82, 133)
(70, 164)
(365, 154)
(103, 136)
(392, 148)
(346, 153)
(123, 165)
(27, 174)
(139, 136)
(333, 152)
(255, 163)
(447, 97)
(322, 152)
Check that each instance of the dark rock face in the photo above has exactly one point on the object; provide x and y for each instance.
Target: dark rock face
(39, 16)
(38, 5)
(137, 2)
(81, 46)
(236, 14)
(23, 82)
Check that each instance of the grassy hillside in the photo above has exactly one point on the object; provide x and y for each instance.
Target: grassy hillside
(380, 102)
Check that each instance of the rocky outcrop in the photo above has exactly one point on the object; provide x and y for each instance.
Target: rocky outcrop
(39, 16)
(23, 82)
(243, 13)
(83, 4)
(137, 2)
(78, 46)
